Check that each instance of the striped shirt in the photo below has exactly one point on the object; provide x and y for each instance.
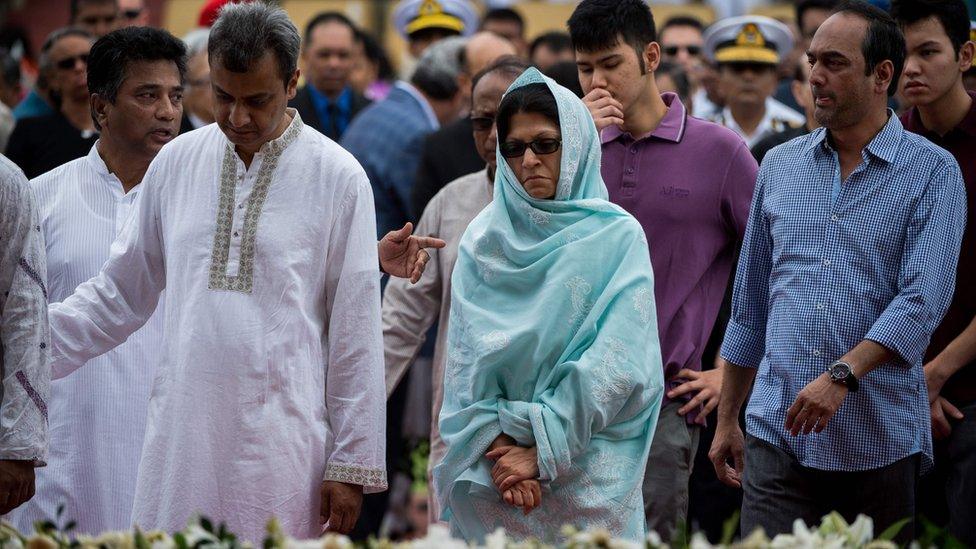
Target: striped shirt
(816, 276)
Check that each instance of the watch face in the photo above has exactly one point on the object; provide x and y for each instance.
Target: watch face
(839, 371)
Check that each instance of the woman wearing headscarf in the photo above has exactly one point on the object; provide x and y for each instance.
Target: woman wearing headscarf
(553, 382)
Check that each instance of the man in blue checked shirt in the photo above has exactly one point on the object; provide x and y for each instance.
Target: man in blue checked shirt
(847, 266)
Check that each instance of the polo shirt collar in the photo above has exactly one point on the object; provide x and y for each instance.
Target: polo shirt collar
(671, 128)
(913, 122)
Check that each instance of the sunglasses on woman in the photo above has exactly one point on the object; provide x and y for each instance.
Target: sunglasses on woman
(516, 149)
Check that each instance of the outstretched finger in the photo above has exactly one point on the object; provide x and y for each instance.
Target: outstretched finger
(402, 233)
(430, 242)
(692, 404)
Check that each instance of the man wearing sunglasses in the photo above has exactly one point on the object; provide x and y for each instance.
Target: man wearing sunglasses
(42, 143)
(747, 50)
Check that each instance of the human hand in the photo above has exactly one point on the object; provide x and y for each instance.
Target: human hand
(526, 494)
(815, 405)
(728, 443)
(402, 254)
(341, 503)
(604, 109)
(513, 464)
(16, 483)
(934, 381)
(940, 408)
(502, 440)
(708, 386)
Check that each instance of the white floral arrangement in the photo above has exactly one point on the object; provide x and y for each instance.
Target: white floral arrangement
(833, 533)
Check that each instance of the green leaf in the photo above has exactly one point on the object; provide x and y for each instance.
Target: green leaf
(180, 540)
(729, 528)
(892, 531)
(140, 540)
(206, 524)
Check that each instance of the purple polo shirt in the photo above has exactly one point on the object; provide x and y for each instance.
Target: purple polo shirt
(689, 183)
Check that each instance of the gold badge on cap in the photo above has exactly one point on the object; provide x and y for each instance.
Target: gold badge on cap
(750, 36)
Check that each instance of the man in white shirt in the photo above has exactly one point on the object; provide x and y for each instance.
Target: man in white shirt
(24, 373)
(269, 394)
(98, 414)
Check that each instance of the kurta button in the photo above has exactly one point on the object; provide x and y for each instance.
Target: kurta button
(236, 233)
(43, 345)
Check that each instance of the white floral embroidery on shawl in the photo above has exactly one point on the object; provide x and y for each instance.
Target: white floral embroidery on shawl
(644, 304)
(579, 289)
(610, 380)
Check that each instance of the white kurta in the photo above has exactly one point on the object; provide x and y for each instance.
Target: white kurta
(97, 414)
(271, 368)
(24, 348)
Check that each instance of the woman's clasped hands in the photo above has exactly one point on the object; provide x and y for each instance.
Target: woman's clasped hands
(516, 473)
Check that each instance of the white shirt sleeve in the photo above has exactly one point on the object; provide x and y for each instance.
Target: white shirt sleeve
(355, 388)
(103, 312)
(23, 322)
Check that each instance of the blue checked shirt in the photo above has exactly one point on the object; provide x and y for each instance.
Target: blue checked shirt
(817, 275)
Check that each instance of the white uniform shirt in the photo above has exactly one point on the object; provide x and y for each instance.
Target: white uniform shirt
(97, 414)
(271, 368)
(778, 118)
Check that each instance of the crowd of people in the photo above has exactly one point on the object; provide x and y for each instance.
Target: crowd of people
(661, 271)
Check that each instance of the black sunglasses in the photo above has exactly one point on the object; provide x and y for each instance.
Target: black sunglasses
(131, 14)
(68, 63)
(671, 51)
(516, 149)
(482, 123)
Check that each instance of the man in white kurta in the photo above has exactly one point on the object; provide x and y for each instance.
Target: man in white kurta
(23, 339)
(270, 378)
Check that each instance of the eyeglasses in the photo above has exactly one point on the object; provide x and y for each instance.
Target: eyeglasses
(69, 63)
(131, 14)
(482, 123)
(671, 51)
(516, 149)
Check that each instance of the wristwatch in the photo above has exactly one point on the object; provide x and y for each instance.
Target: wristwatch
(842, 372)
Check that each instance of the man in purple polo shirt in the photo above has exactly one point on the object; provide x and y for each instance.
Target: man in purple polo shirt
(939, 51)
(689, 183)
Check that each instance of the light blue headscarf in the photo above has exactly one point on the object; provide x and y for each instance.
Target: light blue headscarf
(553, 341)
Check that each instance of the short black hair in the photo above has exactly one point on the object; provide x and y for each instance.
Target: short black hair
(556, 41)
(75, 6)
(511, 65)
(507, 15)
(535, 98)
(882, 41)
(952, 14)
(112, 54)
(804, 6)
(682, 21)
(601, 24)
(566, 74)
(375, 53)
(328, 17)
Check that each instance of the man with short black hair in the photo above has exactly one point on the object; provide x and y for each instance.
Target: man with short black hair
(847, 267)
(689, 183)
(98, 415)
(269, 397)
(327, 102)
(939, 53)
(98, 17)
(551, 48)
(507, 23)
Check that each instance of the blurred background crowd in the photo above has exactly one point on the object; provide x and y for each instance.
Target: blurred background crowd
(353, 54)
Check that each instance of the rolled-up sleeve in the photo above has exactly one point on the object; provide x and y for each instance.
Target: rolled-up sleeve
(927, 275)
(745, 336)
(23, 322)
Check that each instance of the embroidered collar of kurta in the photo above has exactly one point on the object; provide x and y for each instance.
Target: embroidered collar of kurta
(232, 258)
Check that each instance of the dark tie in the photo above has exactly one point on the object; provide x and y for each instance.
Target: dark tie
(333, 129)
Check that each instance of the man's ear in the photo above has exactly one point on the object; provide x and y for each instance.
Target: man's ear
(652, 56)
(966, 54)
(99, 109)
(883, 74)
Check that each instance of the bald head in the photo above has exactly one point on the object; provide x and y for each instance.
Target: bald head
(484, 48)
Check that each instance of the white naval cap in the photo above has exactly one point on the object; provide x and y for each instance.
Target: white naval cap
(748, 39)
(412, 16)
